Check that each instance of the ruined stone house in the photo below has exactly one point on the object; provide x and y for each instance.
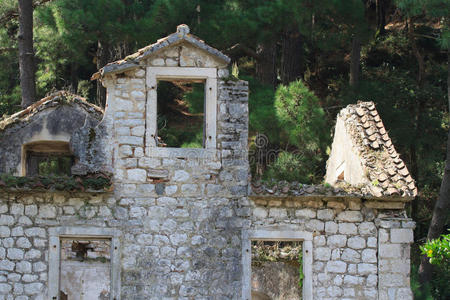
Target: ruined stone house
(136, 220)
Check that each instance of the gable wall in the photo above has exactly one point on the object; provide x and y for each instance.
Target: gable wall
(58, 123)
(342, 151)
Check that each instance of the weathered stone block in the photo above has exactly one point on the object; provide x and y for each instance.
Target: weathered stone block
(315, 225)
(331, 227)
(347, 228)
(180, 176)
(137, 175)
(337, 241)
(322, 253)
(278, 213)
(325, 214)
(367, 269)
(369, 255)
(6, 220)
(5, 231)
(390, 250)
(305, 213)
(350, 255)
(336, 266)
(350, 216)
(402, 235)
(15, 254)
(356, 242)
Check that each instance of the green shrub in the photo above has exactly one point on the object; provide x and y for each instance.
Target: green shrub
(438, 251)
(292, 167)
(301, 117)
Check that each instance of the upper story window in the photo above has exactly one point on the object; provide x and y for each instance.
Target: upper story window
(44, 158)
(181, 117)
(165, 86)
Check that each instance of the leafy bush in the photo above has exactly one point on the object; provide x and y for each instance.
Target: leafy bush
(438, 251)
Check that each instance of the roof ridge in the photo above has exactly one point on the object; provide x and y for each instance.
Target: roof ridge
(132, 60)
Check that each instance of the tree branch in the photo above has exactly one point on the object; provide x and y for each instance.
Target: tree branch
(8, 49)
(247, 51)
(14, 13)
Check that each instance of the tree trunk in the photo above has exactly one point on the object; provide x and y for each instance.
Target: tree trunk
(381, 16)
(416, 52)
(442, 205)
(102, 60)
(292, 60)
(266, 70)
(26, 53)
(355, 61)
(439, 216)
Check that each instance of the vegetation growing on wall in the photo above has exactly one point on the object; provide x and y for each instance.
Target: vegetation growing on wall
(90, 182)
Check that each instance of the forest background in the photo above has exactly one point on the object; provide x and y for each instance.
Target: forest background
(304, 60)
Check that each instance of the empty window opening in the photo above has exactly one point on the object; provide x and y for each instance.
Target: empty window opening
(85, 269)
(180, 113)
(276, 270)
(48, 158)
(340, 171)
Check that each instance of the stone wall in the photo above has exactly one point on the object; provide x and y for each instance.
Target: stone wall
(181, 214)
(186, 213)
(24, 222)
(353, 257)
(395, 235)
(189, 247)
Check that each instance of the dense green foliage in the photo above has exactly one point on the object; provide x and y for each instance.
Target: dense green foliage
(438, 252)
(296, 55)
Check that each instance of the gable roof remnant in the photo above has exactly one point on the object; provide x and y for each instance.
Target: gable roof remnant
(385, 170)
(387, 175)
(52, 100)
(133, 60)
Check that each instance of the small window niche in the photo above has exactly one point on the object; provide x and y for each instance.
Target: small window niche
(45, 158)
(85, 268)
(340, 172)
(181, 117)
(84, 263)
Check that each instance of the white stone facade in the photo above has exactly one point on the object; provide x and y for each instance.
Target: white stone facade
(182, 219)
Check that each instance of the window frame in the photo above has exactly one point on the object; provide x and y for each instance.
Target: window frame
(154, 74)
(81, 232)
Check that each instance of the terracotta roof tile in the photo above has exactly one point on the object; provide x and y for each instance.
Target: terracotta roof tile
(379, 157)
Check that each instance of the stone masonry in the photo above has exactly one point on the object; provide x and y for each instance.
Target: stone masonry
(181, 214)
